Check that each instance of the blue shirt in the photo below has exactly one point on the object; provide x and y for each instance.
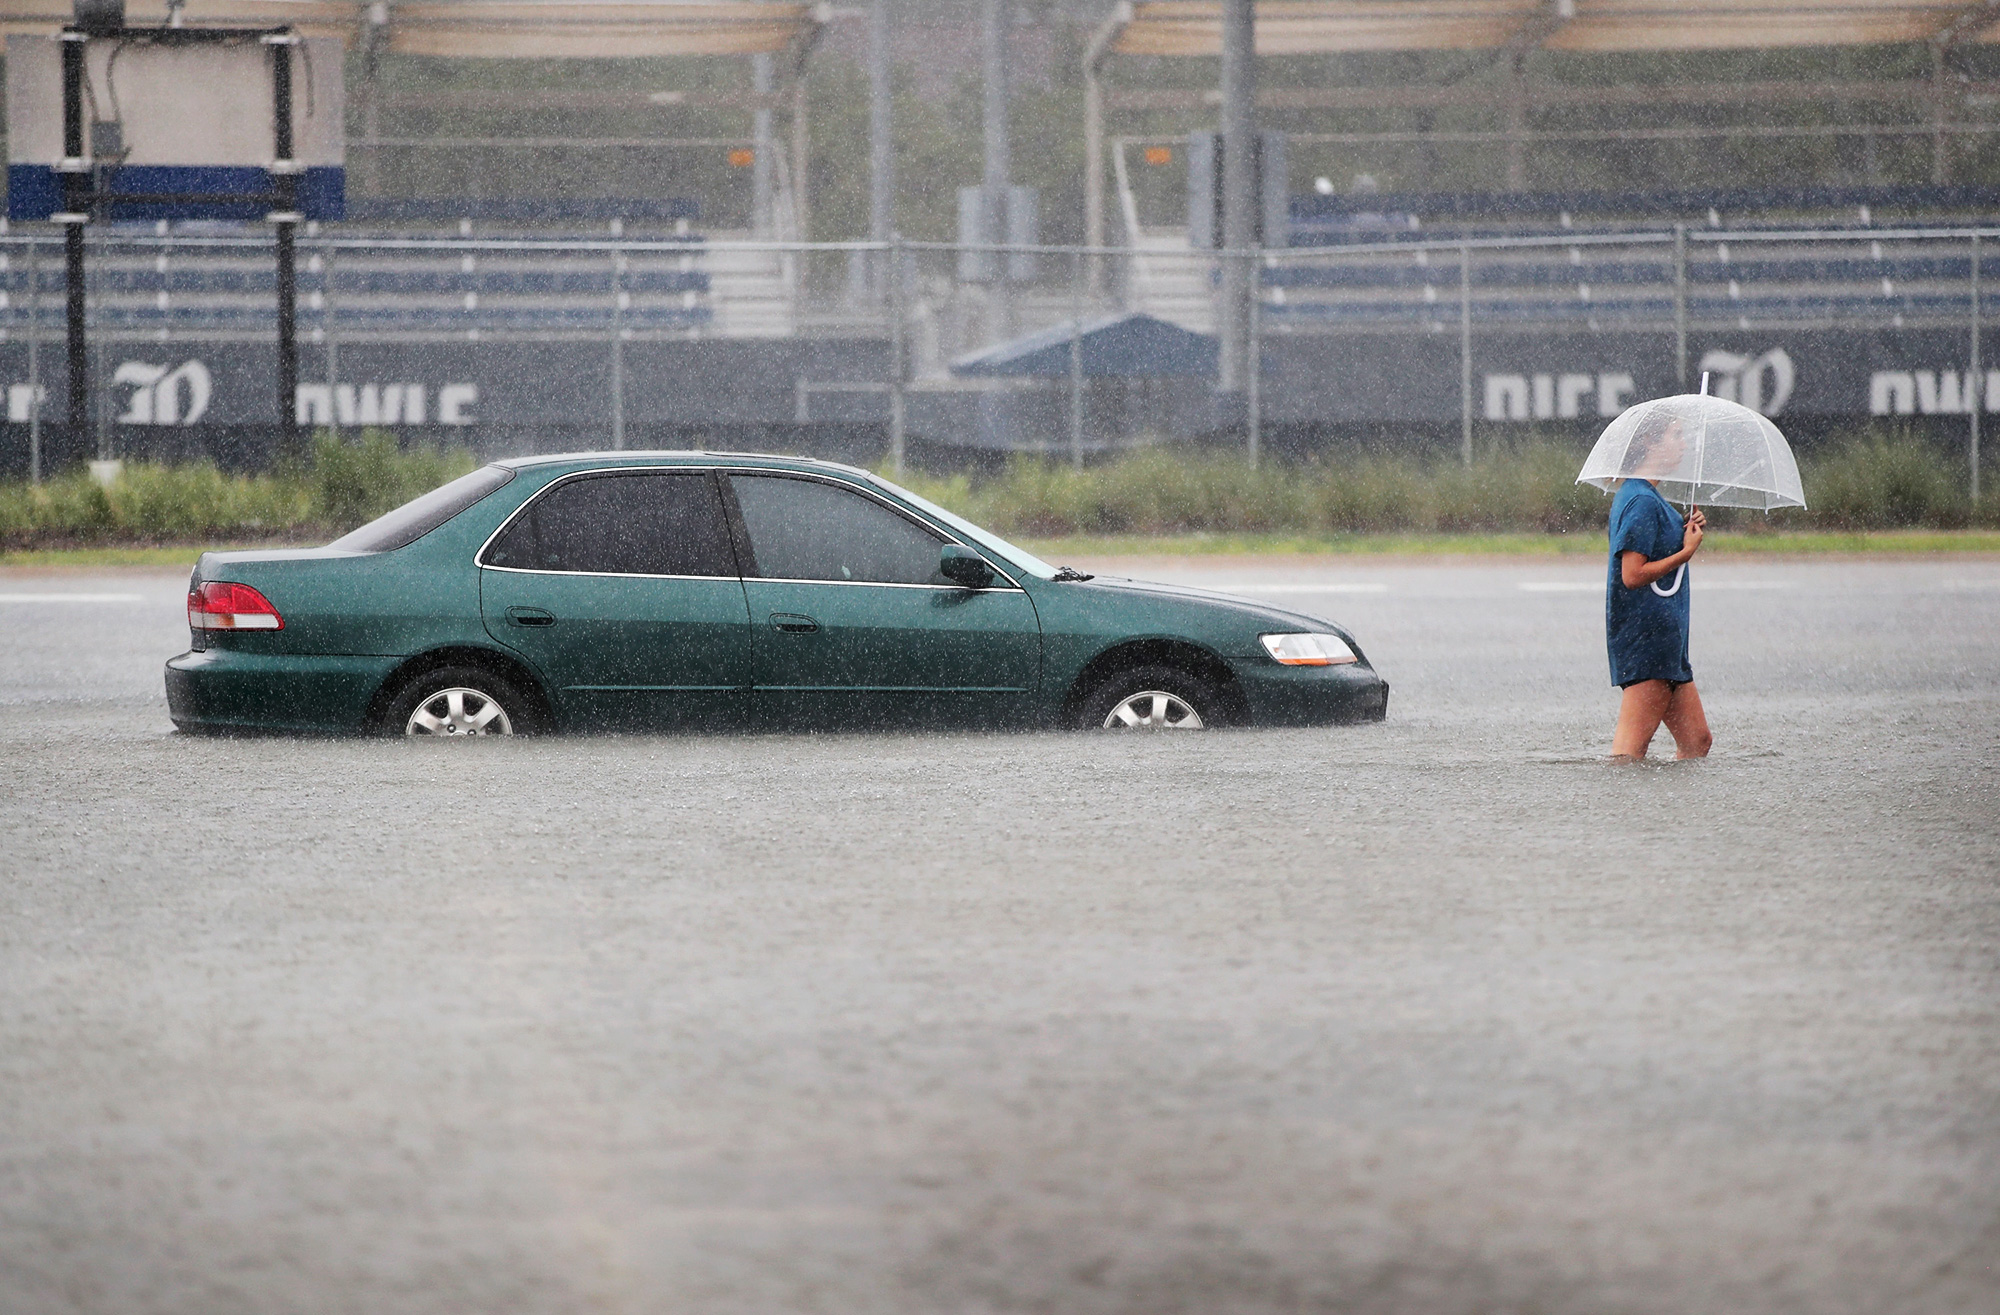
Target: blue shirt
(1646, 629)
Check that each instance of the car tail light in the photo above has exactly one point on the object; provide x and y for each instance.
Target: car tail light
(219, 605)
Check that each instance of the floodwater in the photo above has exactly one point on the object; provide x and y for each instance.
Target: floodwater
(1440, 1015)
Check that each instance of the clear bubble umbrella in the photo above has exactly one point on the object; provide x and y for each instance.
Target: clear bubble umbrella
(1703, 450)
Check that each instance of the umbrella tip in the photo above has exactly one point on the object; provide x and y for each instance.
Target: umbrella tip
(1704, 383)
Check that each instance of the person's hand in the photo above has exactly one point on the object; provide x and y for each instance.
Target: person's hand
(1691, 535)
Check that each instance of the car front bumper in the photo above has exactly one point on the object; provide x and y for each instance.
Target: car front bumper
(1279, 695)
(230, 690)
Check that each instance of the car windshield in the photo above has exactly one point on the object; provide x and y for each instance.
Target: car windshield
(1020, 557)
(418, 517)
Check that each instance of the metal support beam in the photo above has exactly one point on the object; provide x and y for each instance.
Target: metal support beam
(1240, 202)
(898, 371)
(1517, 123)
(1975, 383)
(285, 183)
(1545, 95)
(1968, 21)
(374, 37)
(1541, 25)
(881, 145)
(1940, 116)
(1094, 56)
(998, 174)
(1465, 352)
(763, 149)
(76, 203)
(1681, 306)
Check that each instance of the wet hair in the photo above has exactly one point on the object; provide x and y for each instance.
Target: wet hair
(1648, 433)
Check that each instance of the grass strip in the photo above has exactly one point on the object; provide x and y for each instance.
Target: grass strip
(1591, 544)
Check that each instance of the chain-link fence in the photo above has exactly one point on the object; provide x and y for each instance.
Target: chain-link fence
(513, 343)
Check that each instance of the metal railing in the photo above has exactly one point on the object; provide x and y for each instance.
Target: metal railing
(914, 300)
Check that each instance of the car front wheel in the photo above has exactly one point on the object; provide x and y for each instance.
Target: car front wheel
(458, 701)
(1152, 698)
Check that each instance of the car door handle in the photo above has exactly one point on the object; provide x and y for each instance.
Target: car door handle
(793, 623)
(530, 616)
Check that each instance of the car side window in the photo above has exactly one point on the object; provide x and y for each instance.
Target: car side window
(622, 524)
(808, 529)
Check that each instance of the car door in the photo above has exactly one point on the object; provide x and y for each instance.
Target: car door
(851, 621)
(621, 588)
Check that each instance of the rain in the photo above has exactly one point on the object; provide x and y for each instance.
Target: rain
(1019, 594)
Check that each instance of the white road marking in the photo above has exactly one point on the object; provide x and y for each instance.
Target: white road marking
(71, 598)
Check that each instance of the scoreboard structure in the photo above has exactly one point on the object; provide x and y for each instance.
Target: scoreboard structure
(109, 123)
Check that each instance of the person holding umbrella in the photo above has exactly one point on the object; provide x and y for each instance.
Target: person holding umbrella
(1647, 597)
(1695, 450)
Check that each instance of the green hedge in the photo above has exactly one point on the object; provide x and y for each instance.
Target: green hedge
(1869, 481)
(340, 485)
(1873, 480)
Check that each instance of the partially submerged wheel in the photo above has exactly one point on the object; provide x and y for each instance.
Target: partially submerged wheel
(459, 710)
(458, 701)
(1153, 709)
(1152, 698)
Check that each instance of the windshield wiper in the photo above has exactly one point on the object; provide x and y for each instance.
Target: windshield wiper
(1069, 573)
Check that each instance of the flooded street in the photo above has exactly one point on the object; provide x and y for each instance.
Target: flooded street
(1439, 1015)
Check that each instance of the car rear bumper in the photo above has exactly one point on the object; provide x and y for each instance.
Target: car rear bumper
(225, 690)
(1310, 696)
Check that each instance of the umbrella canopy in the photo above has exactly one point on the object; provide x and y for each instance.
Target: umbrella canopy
(1701, 449)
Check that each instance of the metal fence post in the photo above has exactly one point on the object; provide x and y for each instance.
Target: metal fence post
(896, 437)
(34, 361)
(1975, 384)
(1254, 368)
(1465, 351)
(1076, 360)
(1681, 306)
(617, 355)
(330, 328)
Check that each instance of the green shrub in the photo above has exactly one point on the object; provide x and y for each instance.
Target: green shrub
(354, 481)
(1878, 481)
(342, 485)
(1872, 480)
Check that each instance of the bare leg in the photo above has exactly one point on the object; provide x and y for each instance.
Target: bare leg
(1688, 722)
(1639, 715)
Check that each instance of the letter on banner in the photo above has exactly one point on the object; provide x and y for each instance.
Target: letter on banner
(314, 405)
(1611, 391)
(143, 376)
(454, 401)
(1506, 397)
(22, 399)
(1891, 392)
(1571, 389)
(190, 381)
(1545, 397)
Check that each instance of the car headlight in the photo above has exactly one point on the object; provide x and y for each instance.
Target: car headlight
(1309, 650)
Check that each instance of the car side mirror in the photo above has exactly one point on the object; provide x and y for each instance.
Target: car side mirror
(962, 566)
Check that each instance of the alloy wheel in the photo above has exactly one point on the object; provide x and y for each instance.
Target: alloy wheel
(459, 711)
(1153, 709)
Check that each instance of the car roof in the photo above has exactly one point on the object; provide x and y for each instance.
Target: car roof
(676, 456)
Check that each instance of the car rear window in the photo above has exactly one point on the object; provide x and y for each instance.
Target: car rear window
(658, 523)
(418, 517)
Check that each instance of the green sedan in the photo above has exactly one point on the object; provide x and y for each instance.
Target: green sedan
(624, 590)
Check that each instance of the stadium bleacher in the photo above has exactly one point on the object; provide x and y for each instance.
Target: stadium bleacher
(401, 266)
(1556, 261)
